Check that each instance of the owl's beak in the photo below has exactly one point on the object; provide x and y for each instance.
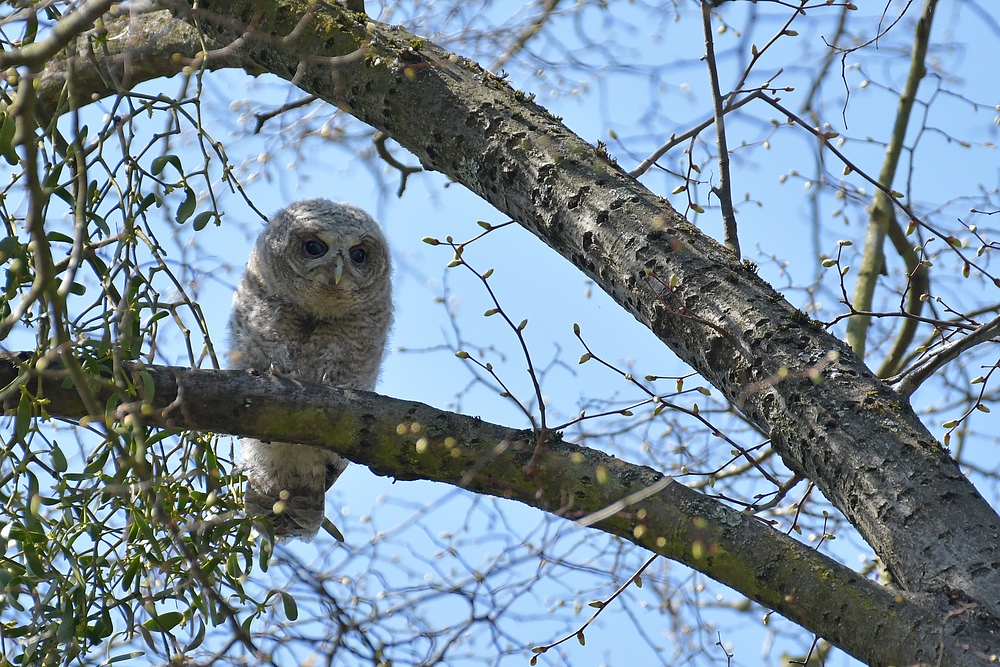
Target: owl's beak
(338, 269)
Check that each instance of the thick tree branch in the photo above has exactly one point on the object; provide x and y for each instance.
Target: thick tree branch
(135, 49)
(408, 440)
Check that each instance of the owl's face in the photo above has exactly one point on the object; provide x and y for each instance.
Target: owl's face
(334, 254)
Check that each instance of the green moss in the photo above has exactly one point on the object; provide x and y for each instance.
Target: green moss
(416, 43)
(602, 152)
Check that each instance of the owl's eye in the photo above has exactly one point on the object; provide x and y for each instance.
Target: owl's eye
(358, 254)
(314, 248)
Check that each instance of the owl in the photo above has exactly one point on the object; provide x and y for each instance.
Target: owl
(314, 304)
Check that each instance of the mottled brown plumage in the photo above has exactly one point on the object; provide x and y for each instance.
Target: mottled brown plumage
(315, 303)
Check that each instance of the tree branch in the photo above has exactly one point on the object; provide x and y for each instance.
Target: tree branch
(36, 54)
(724, 190)
(571, 481)
(883, 212)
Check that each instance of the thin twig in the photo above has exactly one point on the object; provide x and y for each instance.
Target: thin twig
(724, 190)
(297, 104)
(912, 379)
(548, 8)
(383, 152)
(677, 139)
(601, 606)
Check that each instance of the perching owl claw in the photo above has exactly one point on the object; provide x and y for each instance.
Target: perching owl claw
(314, 303)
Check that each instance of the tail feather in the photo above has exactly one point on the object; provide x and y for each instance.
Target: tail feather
(287, 484)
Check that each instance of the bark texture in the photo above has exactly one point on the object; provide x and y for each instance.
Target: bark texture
(409, 440)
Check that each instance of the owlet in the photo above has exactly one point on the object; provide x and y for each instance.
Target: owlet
(315, 304)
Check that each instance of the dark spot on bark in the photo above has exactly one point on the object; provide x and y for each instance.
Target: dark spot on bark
(603, 217)
(574, 201)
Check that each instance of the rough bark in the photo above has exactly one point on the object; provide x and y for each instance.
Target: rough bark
(849, 432)
(409, 440)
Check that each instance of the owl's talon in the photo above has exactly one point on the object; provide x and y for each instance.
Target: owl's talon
(279, 373)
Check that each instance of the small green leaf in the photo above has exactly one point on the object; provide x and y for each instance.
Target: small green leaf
(162, 161)
(186, 207)
(202, 219)
(7, 128)
(164, 622)
(59, 462)
(121, 657)
(288, 602)
(58, 237)
(22, 422)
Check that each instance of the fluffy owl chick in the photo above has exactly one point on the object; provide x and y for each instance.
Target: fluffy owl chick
(314, 303)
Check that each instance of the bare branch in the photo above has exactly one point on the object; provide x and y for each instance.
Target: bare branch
(723, 191)
(883, 212)
(36, 54)
(912, 379)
